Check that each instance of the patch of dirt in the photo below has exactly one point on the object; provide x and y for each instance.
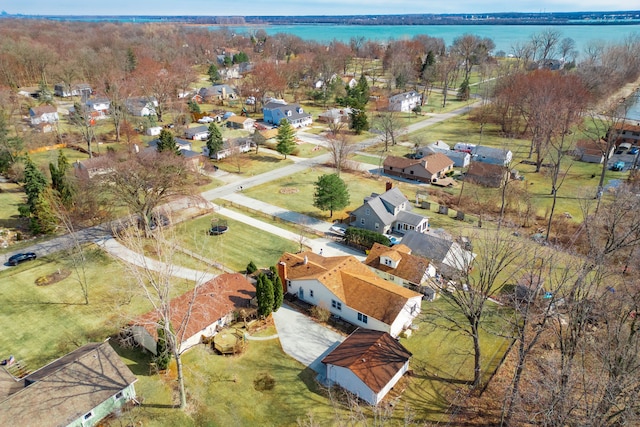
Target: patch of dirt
(288, 190)
(50, 279)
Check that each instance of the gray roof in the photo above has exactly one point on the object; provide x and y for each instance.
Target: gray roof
(410, 218)
(380, 210)
(394, 197)
(496, 153)
(427, 245)
(215, 90)
(294, 108)
(67, 388)
(196, 130)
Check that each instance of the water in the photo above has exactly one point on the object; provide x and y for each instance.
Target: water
(504, 36)
(633, 113)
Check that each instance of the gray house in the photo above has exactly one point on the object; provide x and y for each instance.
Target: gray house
(460, 159)
(448, 256)
(79, 389)
(388, 212)
(494, 156)
(198, 133)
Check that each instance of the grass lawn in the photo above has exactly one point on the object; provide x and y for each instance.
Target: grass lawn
(235, 248)
(252, 163)
(309, 150)
(11, 197)
(40, 323)
(359, 186)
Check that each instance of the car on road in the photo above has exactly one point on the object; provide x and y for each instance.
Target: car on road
(22, 257)
(338, 229)
(618, 166)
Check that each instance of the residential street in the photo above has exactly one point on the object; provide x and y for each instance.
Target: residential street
(229, 191)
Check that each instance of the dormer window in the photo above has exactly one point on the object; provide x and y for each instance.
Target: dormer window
(385, 260)
(289, 113)
(300, 111)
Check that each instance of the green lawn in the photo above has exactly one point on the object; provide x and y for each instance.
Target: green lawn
(40, 323)
(253, 164)
(309, 150)
(301, 201)
(235, 248)
(11, 197)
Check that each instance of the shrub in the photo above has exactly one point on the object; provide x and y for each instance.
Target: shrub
(320, 313)
(264, 382)
(251, 268)
(366, 238)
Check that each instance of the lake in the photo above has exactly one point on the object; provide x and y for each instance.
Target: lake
(504, 36)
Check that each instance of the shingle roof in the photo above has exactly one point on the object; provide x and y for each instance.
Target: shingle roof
(410, 267)
(441, 251)
(410, 218)
(213, 300)
(239, 119)
(399, 162)
(43, 109)
(437, 162)
(350, 280)
(67, 388)
(373, 356)
(394, 197)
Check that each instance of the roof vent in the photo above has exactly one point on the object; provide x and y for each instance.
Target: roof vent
(306, 260)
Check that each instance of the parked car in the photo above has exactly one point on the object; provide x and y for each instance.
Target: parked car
(618, 166)
(205, 119)
(634, 150)
(22, 257)
(622, 148)
(338, 229)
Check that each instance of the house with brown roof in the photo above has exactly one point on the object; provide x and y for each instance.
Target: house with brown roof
(625, 132)
(43, 114)
(79, 389)
(368, 364)
(349, 290)
(398, 265)
(240, 122)
(429, 169)
(593, 152)
(486, 174)
(200, 312)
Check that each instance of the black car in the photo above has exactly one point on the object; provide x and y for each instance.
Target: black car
(18, 258)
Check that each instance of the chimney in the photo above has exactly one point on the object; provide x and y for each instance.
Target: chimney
(306, 260)
(282, 272)
(388, 186)
(224, 93)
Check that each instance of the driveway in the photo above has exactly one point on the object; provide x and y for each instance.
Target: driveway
(303, 339)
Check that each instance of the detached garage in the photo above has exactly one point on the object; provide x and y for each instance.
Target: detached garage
(368, 364)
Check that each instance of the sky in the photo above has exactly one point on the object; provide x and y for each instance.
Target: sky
(300, 7)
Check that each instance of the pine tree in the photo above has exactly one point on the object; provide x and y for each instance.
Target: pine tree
(264, 294)
(43, 219)
(278, 292)
(166, 142)
(359, 121)
(59, 181)
(214, 139)
(163, 355)
(214, 74)
(131, 62)
(34, 183)
(331, 193)
(286, 138)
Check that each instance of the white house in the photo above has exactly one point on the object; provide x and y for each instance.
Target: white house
(141, 106)
(43, 114)
(349, 290)
(229, 147)
(200, 312)
(198, 133)
(153, 130)
(98, 107)
(368, 364)
(405, 102)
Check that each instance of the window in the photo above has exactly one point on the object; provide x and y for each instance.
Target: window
(367, 211)
(118, 396)
(362, 318)
(361, 221)
(289, 283)
(87, 416)
(311, 293)
(377, 226)
(336, 304)
(411, 172)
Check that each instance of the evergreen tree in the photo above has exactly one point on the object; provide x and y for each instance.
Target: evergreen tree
(194, 107)
(264, 294)
(59, 180)
(331, 193)
(464, 90)
(34, 183)
(286, 138)
(251, 267)
(166, 142)
(163, 355)
(45, 96)
(359, 121)
(214, 74)
(240, 57)
(132, 61)
(278, 292)
(43, 219)
(214, 139)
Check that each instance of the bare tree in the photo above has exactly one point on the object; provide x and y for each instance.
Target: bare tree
(493, 268)
(390, 125)
(340, 146)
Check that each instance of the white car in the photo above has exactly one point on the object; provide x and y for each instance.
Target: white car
(338, 229)
(205, 119)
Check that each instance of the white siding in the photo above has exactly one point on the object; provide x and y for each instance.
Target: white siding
(349, 381)
(406, 316)
(382, 393)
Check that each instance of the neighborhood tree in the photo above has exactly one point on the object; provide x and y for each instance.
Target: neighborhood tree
(331, 193)
(286, 138)
(214, 139)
